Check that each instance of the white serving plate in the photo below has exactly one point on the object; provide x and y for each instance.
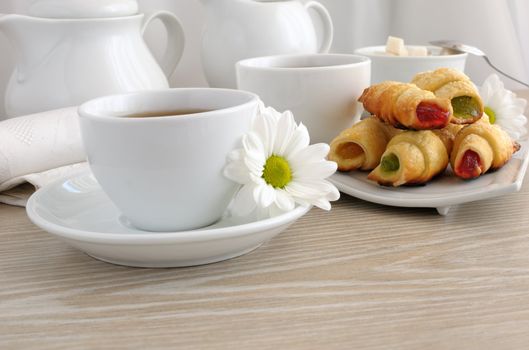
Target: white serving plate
(77, 211)
(442, 192)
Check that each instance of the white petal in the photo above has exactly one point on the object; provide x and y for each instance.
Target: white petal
(243, 203)
(509, 111)
(252, 143)
(310, 154)
(302, 201)
(284, 200)
(333, 194)
(257, 125)
(495, 101)
(265, 125)
(494, 82)
(300, 139)
(519, 121)
(519, 101)
(267, 110)
(255, 164)
(322, 203)
(264, 195)
(309, 188)
(257, 179)
(237, 154)
(515, 131)
(238, 172)
(489, 86)
(485, 93)
(514, 135)
(317, 170)
(285, 128)
(261, 107)
(261, 128)
(299, 191)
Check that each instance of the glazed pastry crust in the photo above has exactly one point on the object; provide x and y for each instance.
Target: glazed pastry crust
(421, 154)
(450, 83)
(434, 80)
(361, 145)
(462, 88)
(490, 142)
(396, 103)
(447, 135)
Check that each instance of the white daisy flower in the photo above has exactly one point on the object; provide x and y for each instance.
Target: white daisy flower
(277, 168)
(503, 107)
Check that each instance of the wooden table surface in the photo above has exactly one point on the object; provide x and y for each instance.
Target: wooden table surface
(363, 276)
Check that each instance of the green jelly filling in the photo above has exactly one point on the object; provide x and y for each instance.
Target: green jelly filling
(465, 107)
(390, 163)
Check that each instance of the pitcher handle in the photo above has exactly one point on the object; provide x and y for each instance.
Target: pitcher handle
(327, 24)
(175, 39)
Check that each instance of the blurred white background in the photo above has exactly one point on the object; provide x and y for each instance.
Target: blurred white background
(499, 27)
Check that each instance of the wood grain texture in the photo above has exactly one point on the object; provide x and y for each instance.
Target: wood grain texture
(363, 276)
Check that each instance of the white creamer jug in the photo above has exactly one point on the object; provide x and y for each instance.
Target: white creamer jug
(238, 29)
(82, 8)
(66, 61)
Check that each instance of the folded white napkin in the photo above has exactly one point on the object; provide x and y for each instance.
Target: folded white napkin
(38, 149)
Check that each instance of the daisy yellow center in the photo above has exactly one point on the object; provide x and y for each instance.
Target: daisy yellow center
(277, 172)
(492, 115)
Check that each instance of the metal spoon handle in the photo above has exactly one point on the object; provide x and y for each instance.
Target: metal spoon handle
(507, 75)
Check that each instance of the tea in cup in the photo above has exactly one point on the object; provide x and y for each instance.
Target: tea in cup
(160, 155)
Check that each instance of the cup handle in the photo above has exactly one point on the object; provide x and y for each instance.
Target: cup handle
(327, 24)
(175, 39)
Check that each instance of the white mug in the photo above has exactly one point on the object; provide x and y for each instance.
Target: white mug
(165, 173)
(321, 90)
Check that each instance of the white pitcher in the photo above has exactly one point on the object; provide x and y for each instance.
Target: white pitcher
(67, 61)
(238, 29)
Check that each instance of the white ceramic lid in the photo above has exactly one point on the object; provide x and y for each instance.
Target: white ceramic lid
(82, 8)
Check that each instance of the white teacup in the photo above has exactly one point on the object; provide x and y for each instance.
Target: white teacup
(165, 172)
(320, 89)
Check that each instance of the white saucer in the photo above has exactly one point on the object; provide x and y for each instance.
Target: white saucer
(78, 211)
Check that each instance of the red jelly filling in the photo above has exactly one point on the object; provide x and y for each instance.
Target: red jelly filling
(470, 166)
(432, 116)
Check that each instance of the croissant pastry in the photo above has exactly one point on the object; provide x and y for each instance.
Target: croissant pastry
(406, 106)
(361, 145)
(481, 147)
(411, 157)
(456, 86)
(447, 135)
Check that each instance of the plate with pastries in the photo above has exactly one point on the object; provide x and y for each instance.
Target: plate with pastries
(427, 143)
